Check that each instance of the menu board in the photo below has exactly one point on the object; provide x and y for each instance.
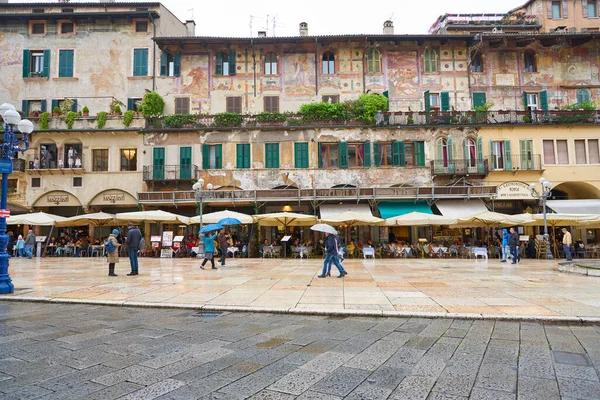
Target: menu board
(167, 239)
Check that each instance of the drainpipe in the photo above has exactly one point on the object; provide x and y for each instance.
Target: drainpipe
(253, 64)
(363, 64)
(153, 53)
(316, 68)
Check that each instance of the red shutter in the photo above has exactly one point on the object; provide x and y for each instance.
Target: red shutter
(549, 9)
(585, 8)
(565, 8)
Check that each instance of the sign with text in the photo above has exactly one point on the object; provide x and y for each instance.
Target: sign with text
(113, 197)
(167, 239)
(6, 166)
(514, 191)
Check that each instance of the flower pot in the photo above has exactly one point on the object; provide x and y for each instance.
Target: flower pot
(86, 114)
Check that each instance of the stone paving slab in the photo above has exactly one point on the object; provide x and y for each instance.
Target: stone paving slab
(412, 358)
(452, 289)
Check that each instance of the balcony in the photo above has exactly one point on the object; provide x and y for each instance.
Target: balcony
(458, 167)
(19, 165)
(159, 173)
(515, 163)
(36, 163)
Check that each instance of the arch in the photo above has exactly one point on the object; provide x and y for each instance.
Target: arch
(344, 186)
(583, 96)
(56, 198)
(529, 61)
(470, 152)
(270, 64)
(113, 197)
(328, 65)
(227, 187)
(280, 187)
(476, 62)
(373, 61)
(441, 151)
(576, 191)
(430, 61)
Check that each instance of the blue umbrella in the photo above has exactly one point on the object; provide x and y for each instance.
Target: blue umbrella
(230, 221)
(211, 227)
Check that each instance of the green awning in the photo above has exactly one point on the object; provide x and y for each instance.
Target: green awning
(390, 209)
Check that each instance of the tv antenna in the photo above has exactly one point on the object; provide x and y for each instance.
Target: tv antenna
(192, 10)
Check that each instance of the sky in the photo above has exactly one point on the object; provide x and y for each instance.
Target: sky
(232, 17)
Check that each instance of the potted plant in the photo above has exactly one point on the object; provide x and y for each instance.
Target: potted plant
(270, 118)
(115, 106)
(85, 111)
(101, 119)
(56, 111)
(117, 111)
(128, 118)
(44, 117)
(70, 119)
(34, 114)
(228, 119)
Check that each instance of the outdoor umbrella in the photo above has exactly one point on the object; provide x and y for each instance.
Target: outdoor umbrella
(230, 221)
(324, 228)
(211, 228)
(564, 219)
(489, 218)
(286, 219)
(419, 219)
(352, 218)
(39, 218)
(213, 218)
(96, 219)
(156, 216)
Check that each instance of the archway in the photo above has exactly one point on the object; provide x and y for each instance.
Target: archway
(575, 191)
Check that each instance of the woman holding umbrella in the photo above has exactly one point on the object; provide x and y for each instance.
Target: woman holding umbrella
(209, 249)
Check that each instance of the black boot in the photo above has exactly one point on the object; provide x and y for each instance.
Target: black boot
(111, 270)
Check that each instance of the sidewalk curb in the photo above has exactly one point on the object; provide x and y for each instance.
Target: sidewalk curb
(309, 311)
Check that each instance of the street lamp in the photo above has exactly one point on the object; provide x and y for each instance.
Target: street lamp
(10, 147)
(546, 192)
(200, 193)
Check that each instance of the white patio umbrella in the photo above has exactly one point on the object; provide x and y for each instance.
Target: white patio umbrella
(565, 219)
(96, 219)
(156, 216)
(420, 219)
(213, 218)
(490, 218)
(38, 218)
(352, 218)
(286, 219)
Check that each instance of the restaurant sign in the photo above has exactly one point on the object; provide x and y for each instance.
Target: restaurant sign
(514, 191)
(113, 197)
(57, 199)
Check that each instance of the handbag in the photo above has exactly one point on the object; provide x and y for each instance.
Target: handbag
(109, 246)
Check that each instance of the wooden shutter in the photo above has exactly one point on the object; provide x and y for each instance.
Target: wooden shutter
(398, 157)
(54, 103)
(367, 154)
(177, 64)
(549, 9)
(544, 100)
(130, 104)
(525, 102)
(479, 99)
(239, 149)
(26, 63)
(219, 64)
(585, 8)
(320, 155)
(450, 148)
(343, 154)
(43, 106)
(271, 103)
(219, 155)
(565, 8)
(74, 105)
(419, 154)
(301, 155)
(376, 154)
(445, 100)
(25, 107)
(232, 59)
(164, 65)
(480, 163)
(507, 156)
(182, 105)
(205, 156)
(46, 72)
(272, 155)
(427, 98)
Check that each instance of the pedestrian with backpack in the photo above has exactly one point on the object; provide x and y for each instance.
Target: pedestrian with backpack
(112, 250)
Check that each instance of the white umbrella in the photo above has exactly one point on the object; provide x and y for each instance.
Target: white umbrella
(96, 219)
(213, 218)
(284, 218)
(352, 218)
(324, 228)
(39, 218)
(155, 216)
(419, 219)
(489, 218)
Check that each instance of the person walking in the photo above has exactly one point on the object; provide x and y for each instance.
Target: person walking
(134, 237)
(513, 243)
(505, 248)
(209, 249)
(567, 242)
(29, 244)
(331, 250)
(20, 246)
(223, 239)
(113, 256)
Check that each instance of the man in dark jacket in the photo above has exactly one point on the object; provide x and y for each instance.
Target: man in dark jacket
(134, 236)
(30, 244)
(513, 243)
(331, 250)
(223, 240)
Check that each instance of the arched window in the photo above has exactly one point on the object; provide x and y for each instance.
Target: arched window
(430, 60)
(271, 64)
(470, 153)
(441, 152)
(476, 62)
(373, 61)
(328, 63)
(529, 61)
(583, 96)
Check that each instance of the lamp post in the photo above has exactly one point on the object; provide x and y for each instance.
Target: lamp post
(546, 192)
(10, 147)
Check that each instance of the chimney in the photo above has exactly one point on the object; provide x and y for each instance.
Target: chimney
(388, 27)
(303, 29)
(262, 33)
(190, 26)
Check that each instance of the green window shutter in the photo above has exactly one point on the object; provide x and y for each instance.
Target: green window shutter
(219, 154)
(177, 64)
(367, 160)
(479, 146)
(239, 148)
(491, 148)
(427, 98)
(26, 63)
(144, 66)
(343, 154)
(65, 64)
(445, 100)
(544, 100)
(205, 158)
(158, 163)
(232, 59)
(43, 106)
(46, 64)
(419, 154)
(525, 100)
(301, 155)
(402, 154)
(320, 155)
(272, 155)
(243, 155)
(25, 107)
(140, 62)
(479, 99)
(185, 162)
(398, 156)
(54, 103)
(450, 147)
(386, 94)
(74, 105)
(376, 154)
(164, 68)
(61, 63)
(507, 156)
(130, 104)
(219, 64)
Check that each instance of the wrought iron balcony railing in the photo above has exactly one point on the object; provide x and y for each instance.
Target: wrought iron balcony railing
(170, 172)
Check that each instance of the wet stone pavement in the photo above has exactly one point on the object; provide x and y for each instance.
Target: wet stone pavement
(69, 351)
